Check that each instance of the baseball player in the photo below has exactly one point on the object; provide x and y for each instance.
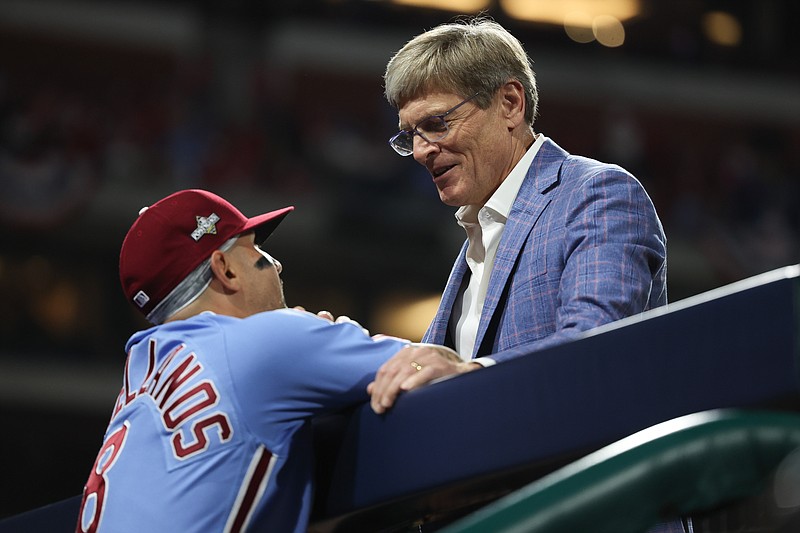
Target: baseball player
(211, 429)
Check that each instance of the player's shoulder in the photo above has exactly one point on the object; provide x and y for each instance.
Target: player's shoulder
(286, 317)
(279, 325)
(275, 323)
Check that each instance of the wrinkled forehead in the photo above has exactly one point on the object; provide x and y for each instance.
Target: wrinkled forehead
(423, 88)
(417, 109)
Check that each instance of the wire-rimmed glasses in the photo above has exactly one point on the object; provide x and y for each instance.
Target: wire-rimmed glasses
(433, 128)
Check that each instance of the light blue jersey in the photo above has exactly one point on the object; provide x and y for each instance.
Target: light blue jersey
(211, 431)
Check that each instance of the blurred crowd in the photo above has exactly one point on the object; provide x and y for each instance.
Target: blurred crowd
(727, 190)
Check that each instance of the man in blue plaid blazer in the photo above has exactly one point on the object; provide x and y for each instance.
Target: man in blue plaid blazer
(556, 244)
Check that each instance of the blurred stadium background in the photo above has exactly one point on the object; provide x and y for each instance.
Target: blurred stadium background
(106, 106)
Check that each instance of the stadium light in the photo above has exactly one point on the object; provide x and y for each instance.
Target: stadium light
(559, 11)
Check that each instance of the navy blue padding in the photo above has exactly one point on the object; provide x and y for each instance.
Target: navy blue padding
(733, 347)
(58, 517)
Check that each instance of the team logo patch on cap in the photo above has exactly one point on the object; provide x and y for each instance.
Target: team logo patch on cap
(205, 225)
(141, 298)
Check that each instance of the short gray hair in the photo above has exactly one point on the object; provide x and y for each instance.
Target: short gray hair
(465, 57)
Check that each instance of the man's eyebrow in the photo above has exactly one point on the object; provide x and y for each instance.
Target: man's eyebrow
(423, 118)
(408, 127)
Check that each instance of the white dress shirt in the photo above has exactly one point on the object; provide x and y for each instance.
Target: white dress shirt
(484, 226)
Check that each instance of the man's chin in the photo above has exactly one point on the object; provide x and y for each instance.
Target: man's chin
(449, 199)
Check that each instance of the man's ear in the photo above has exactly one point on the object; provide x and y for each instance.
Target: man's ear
(513, 103)
(223, 271)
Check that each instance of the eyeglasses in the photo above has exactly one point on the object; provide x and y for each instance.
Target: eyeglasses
(432, 129)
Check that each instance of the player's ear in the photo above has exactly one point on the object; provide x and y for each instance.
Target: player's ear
(223, 271)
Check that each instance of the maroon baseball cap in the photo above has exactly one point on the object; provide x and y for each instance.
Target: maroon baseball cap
(174, 235)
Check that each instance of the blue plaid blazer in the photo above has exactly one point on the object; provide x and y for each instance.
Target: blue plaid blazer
(583, 246)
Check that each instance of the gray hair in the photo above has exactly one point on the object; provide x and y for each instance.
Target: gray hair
(465, 57)
(187, 290)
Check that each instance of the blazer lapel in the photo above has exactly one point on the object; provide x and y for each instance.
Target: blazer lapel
(437, 331)
(531, 200)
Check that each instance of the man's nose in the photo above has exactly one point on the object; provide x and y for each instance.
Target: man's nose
(422, 148)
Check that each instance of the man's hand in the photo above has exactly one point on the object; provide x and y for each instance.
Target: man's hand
(413, 366)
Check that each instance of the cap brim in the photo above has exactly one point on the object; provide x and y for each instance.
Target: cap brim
(265, 224)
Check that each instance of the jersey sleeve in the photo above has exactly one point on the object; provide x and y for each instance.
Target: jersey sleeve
(289, 365)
